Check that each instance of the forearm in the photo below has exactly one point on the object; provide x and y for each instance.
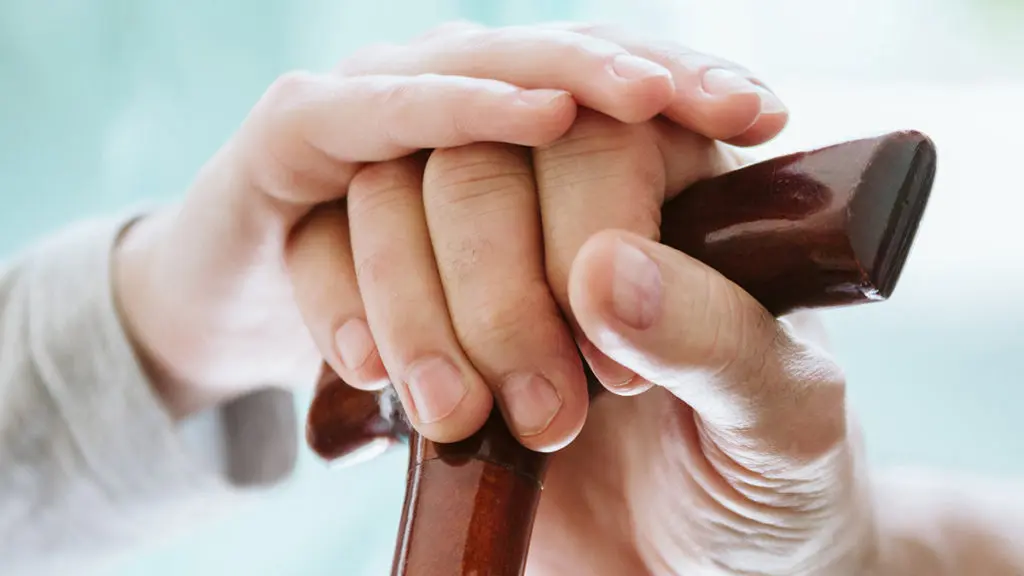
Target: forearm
(940, 524)
(90, 461)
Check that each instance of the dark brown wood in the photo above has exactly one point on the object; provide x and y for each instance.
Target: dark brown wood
(831, 227)
(486, 487)
(343, 422)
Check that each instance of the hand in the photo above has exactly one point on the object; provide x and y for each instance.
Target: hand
(432, 275)
(725, 448)
(203, 288)
(742, 458)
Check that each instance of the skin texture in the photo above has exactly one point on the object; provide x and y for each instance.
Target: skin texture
(726, 446)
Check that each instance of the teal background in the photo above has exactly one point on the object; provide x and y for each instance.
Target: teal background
(105, 103)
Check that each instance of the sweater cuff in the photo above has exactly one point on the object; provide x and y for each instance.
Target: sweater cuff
(120, 425)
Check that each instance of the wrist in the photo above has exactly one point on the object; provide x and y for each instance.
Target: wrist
(149, 319)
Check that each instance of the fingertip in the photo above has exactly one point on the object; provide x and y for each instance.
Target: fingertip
(591, 280)
(548, 433)
(354, 355)
(765, 128)
(613, 376)
(617, 294)
(645, 103)
(716, 117)
(637, 385)
(590, 268)
(551, 114)
(467, 417)
(726, 105)
(371, 377)
(644, 97)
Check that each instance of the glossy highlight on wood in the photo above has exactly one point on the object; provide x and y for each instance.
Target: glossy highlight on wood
(344, 422)
(830, 227)
(816, 229)
(488, 486)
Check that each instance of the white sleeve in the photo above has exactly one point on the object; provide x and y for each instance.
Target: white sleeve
(90, 462)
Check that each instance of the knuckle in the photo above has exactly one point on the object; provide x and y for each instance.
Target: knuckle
(484, 171)
(452, 28)
(367, 59)
(397, 97)
(666, 50)
(583, 41)
(401, 102)
(562, 46)
(594, 131)
(275, 134)
(727, 332)
(803, 360)
(599, 29)
(375, 267)
(609, 148)
(288, 89)
(379, 186)
(743, 331)
(504, 321)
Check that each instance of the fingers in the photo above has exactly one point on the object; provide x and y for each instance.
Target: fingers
(681, 325)
(443, 394)
(309, 133)
(607, 175)
(484, 219)
(713, 97)
(319, 261)
(601, 75)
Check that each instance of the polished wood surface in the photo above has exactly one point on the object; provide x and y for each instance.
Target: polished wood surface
(829, 227)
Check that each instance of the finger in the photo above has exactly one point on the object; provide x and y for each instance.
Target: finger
(444, 396)
(309, 133)
(600, 75)
(319, 260)
(446, 28)
(713, 96)
(607, 175)
(484, 220)
(681, 325)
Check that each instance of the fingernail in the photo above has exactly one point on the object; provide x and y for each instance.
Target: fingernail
(436, 388)
(542, 97)
(354, 343)
(722, 82)
(636, 288)
(631, 67)
(770, 103)
(531, 402)
(608, 371)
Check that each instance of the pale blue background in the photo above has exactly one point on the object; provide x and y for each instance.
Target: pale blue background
(107, 102)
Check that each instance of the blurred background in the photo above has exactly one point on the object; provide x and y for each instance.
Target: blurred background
(106, 103)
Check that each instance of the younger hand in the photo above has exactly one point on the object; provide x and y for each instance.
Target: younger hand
(202, 287)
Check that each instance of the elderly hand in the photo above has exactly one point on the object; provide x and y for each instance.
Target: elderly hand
(740, 460)
(725, 448)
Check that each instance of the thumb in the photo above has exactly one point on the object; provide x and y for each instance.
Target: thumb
(681, 325)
